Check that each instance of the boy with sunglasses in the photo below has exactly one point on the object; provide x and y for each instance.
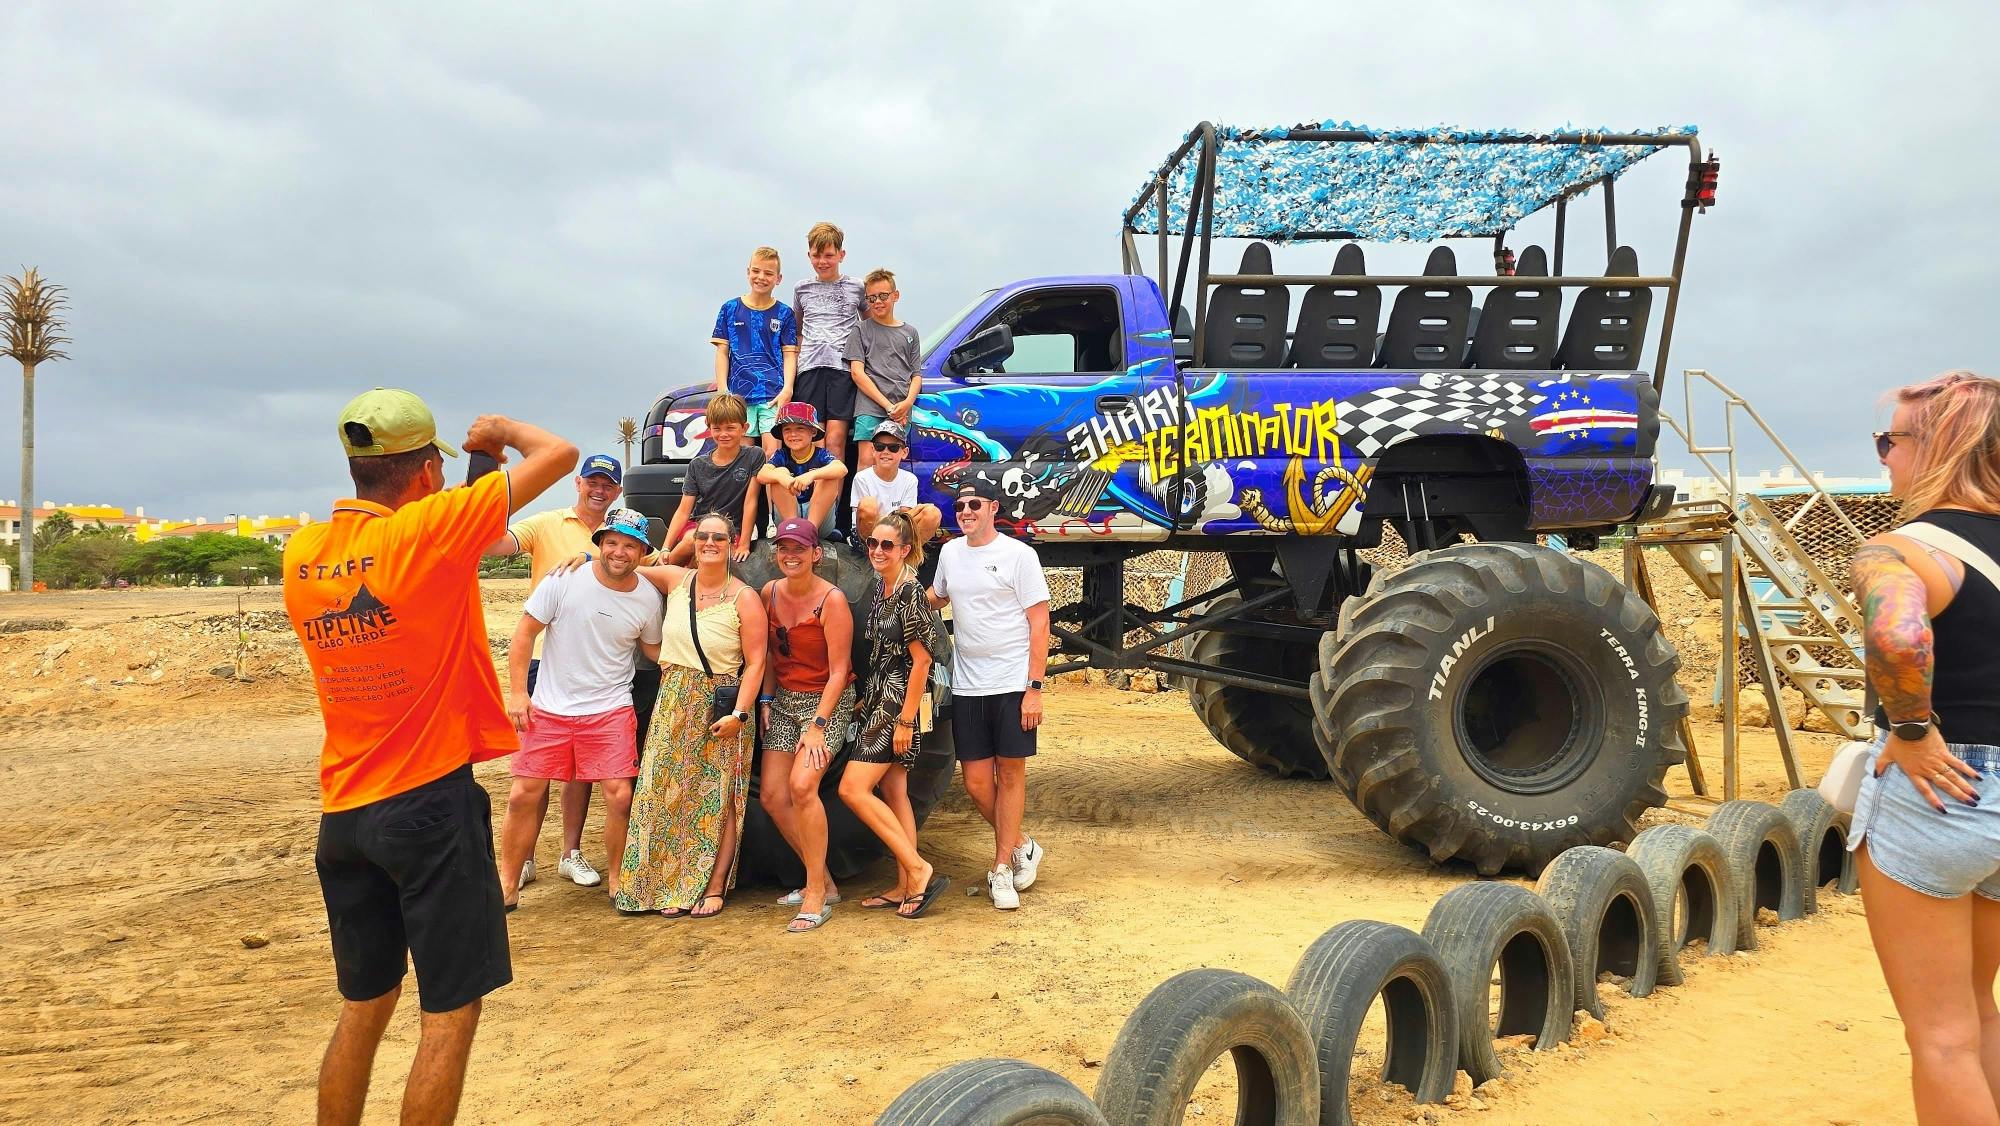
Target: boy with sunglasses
(885, 486)
(1000, 650)
(889, 377)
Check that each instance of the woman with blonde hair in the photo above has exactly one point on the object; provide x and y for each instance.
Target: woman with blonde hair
(904, 638)
(687, 809)
(1926, 830)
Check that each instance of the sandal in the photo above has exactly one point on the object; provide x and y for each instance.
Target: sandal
(698, 913)
(915, 906)
(813, 922)
(674, 912)
(798, 895)
(875, 902)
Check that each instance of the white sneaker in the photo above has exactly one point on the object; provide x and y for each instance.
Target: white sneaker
(1000, 887)
(579, 870)
(1027, 858)
(527, 873)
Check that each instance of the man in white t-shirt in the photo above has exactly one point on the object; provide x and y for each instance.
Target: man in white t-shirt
(886, 487)
(578, 724)
(1000, 649)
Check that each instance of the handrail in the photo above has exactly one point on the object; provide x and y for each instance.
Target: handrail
(1514, 281)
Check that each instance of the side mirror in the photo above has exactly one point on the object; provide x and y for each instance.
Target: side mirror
(983, 349)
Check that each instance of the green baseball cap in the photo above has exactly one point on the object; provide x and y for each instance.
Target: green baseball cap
(387, 421)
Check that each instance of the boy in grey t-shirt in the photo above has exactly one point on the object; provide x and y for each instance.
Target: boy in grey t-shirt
(892, 362)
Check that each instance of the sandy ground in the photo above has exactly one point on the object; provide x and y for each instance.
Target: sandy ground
(147, 828)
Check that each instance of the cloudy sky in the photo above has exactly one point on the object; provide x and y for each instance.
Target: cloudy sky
(260, 209)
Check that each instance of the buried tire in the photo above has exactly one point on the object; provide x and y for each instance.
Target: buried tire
(1694, 892)
(1605, 906)
(1763, 852)
(1168, 1042)
(1498, 703)
(1477, 927)
(1823, 855)
(1272, 733)
(991, 1093)
(851, 845)
(1335, 985)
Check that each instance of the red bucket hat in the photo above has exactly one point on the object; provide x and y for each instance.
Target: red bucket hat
(799, 414)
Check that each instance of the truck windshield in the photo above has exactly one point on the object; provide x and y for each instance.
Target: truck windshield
(936, 335)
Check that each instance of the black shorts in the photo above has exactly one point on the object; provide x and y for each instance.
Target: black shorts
(985, 726)
(829, 390)
(416, 872)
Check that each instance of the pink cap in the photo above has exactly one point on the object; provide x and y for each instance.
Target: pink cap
(799, 530)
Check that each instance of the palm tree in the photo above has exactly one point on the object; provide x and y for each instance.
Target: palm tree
(31, 313)
(628, 433)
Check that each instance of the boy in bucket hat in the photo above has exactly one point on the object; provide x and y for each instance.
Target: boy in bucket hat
(793, 478)
(577, 724)
(384, 597)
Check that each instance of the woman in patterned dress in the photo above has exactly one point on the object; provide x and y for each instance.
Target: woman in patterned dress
(687, 810)
(904, 638)
(808, 699)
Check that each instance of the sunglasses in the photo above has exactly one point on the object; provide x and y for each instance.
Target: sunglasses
(711, 537)
(886, 447)
(969, 504)
(783, 634)
(879, 298)
(882, 545)
(1885, 440)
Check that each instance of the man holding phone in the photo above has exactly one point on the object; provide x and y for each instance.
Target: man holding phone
(384, 597)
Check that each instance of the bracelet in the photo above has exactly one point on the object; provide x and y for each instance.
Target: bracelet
(909, 723)
(767, 699)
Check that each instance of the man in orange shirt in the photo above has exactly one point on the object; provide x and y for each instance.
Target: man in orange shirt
(384, 597)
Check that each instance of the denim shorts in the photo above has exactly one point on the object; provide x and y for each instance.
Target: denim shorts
(1939, 854)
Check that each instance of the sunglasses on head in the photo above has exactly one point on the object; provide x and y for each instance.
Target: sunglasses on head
(711, 537)
(968, 504)
(886, 447)
(1885, 440)
(882, 545)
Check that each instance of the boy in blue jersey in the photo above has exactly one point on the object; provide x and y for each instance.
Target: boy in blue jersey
(756, 340)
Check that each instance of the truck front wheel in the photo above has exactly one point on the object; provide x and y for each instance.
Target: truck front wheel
(1272, 733)
(1498, 703)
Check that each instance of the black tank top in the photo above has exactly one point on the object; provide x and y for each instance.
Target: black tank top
(1965, 649)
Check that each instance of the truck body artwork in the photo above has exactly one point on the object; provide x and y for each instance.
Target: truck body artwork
(1493, 701)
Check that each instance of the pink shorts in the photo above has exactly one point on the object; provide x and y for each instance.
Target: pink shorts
(580, 748)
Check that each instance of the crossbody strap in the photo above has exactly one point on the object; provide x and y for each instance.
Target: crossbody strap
(694, 627)
(1954, 545)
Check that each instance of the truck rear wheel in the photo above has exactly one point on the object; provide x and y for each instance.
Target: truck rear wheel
(1272, 733)
(1498, 703)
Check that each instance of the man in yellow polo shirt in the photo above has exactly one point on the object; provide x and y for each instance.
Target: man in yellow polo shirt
(548, 538)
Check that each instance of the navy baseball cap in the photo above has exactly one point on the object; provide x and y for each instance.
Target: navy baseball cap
(602, 465)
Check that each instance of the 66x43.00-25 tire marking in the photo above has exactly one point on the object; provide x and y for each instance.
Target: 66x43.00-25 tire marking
(1510, 823)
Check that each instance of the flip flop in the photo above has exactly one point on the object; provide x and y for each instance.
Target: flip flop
(698, 913)
(674, 913)
(512, 907)
(797, 896)
(875, 902)
(939, 882)
(817, 921)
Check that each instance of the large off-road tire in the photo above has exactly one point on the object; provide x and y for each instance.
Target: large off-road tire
(1477, 929)
(1335, 985)
(851, 845)
(1186, 1024)
(992, 1093)
(1272, 733)
(1498, 703)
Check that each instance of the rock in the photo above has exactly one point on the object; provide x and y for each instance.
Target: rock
(1588, 1030)
(1146, 681)
(1794, 702)
(850, 1080)
(123, 681)
(245, 678)
(55, 652)
(223, 671)
(1089, 1062)
(1751, 710)
(89, 682)
(1766, 917)
(1461, 1087)
(150, 658)
(255, 939)
(1118, 678)
(1817, 720)
(1840, 1026)
(156, 676)
(1197, 1109)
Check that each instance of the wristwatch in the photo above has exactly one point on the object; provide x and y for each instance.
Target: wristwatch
(819, 721)
(1034, 686)
(1912, 730)
(741, 716)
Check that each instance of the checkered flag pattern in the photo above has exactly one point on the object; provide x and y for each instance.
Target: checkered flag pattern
(1373, 421)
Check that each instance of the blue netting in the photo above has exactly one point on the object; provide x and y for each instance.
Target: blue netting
(1411, 185)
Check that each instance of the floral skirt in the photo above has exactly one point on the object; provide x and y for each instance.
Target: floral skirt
(688, 779)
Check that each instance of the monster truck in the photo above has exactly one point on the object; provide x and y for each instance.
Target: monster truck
(1494, 701)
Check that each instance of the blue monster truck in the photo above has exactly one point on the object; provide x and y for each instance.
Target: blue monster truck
(1494, 701)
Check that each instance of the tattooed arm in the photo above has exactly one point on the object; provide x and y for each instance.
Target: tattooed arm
(1897, 631)
(1895, 609)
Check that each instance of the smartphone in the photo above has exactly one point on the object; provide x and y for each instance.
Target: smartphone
(478, 463)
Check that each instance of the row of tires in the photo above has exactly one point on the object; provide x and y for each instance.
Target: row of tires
(1594, 911)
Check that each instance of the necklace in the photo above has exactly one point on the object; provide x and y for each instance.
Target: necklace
(701, 595)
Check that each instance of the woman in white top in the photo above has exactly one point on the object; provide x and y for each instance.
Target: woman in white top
(687, 810)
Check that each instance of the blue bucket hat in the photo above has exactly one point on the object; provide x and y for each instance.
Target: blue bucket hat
(625, 522)
(602, 465)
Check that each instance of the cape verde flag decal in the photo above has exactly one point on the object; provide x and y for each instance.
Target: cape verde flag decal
(1571, 412)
